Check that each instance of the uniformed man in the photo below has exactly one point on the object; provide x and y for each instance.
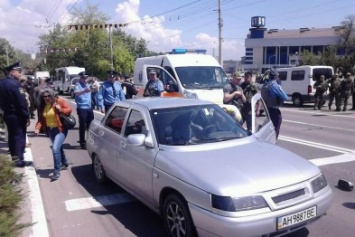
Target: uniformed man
(346, 88)
(110, 92)
(84, 106)
(154, 86)
(321, 87)
(30, 86)
(233, 93)
(334, 85)
(274, 96)
(16, 114)
(249, 90)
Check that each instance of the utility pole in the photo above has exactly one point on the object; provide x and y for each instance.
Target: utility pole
(220, 24)
(111, 49)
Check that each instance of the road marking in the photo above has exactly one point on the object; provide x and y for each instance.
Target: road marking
(317, 145)
(334, 159)
(98, 201)
(39, 228)
(346, 114)
(317, 125)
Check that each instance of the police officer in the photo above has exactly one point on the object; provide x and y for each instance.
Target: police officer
(84, 106)
(321, 87)
(346, 88)
(249, 90)
(274, 96)
(16, 114)
(110, 92)
(154, 86)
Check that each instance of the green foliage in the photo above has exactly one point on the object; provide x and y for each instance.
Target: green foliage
(10, 198)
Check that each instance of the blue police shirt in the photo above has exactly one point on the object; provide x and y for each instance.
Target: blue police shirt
(83, 101)
(106, 93)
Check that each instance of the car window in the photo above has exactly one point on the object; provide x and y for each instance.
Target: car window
(116, 118)
(297, 75)
(135, 124)
(192, 125)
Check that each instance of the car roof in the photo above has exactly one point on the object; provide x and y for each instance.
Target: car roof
(164, 102)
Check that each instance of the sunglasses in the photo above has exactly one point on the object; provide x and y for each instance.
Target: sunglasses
(46, 96)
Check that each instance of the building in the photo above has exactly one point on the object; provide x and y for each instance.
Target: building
(280, 47)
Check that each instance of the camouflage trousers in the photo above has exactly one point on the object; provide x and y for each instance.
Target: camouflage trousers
(319, 100)
(344, 100)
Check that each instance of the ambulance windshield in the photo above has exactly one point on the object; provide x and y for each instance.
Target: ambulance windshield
(202, 77)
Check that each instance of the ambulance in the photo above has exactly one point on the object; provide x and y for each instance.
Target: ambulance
(189, 73)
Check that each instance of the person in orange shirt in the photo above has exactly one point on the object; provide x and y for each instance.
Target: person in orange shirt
(50, 106)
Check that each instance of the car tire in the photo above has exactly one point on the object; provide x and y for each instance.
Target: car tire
(98, 169)
(176, 217)
(297, 100)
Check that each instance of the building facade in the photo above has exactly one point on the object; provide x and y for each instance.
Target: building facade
(282, 48)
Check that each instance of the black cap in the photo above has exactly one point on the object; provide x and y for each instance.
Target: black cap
(15, 66)
(83, 74)
(112, 72)
(248, 73)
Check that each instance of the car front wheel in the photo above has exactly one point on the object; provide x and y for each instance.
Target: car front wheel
(98, 169)
(176, 217)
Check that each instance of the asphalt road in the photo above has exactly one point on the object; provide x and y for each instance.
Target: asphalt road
(76, 205)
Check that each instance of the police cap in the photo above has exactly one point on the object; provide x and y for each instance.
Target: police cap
(152, 72)
(15, 66)
(273, 73)
(83, 74)
(112, 72)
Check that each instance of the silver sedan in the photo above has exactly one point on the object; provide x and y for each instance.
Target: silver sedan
(206, 175)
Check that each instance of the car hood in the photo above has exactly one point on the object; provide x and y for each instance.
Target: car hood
(236, 170)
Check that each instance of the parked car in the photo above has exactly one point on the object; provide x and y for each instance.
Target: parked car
(189, 161)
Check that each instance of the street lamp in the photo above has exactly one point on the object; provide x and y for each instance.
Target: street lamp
(270, 58)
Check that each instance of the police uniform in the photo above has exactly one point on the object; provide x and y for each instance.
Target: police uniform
(84, 107)
(274, 96)
(16, 114)
(110, 92)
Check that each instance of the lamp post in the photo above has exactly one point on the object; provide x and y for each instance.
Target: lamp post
(270, 58)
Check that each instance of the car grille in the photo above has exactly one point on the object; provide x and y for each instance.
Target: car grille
(288, 196)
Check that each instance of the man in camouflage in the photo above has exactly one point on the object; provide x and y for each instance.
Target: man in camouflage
(346, 89)
(249, 90)
(321, 87)
(334, 86)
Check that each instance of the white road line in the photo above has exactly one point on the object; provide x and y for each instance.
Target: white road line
(334, 160)
(98, 201)
(324, 113)
(317, 145)
(317, 125)
(39, 227)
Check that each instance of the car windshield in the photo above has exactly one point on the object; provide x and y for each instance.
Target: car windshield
(202, 77)
(191, 125)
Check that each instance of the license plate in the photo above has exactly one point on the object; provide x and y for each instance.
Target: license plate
(295, 218)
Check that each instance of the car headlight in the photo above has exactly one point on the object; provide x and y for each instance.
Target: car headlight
(319, 183)
(238, 204)
(190, 95)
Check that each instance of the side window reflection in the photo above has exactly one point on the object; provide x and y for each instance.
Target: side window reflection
(135, 124)
(116, 118)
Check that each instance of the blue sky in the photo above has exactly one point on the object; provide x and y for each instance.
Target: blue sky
(167, 24)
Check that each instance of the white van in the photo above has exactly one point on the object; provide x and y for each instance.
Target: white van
(64, 76)
(196, 74)
(298, 82)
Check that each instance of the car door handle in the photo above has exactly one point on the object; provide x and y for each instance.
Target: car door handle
(123, 145)
(101, 133)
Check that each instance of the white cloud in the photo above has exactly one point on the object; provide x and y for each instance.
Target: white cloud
(21, 23)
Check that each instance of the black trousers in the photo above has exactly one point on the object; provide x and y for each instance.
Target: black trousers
(85, 118)
(276, 118)
(16, 127)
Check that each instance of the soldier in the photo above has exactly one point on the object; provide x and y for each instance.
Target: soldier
(334, 85)
(16, 114)
(30, 85)
(128, 87)
(249, 90)
(321, 87)
(346, 89)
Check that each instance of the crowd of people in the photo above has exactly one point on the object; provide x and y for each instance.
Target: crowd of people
(339, 91)
(20, 97)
